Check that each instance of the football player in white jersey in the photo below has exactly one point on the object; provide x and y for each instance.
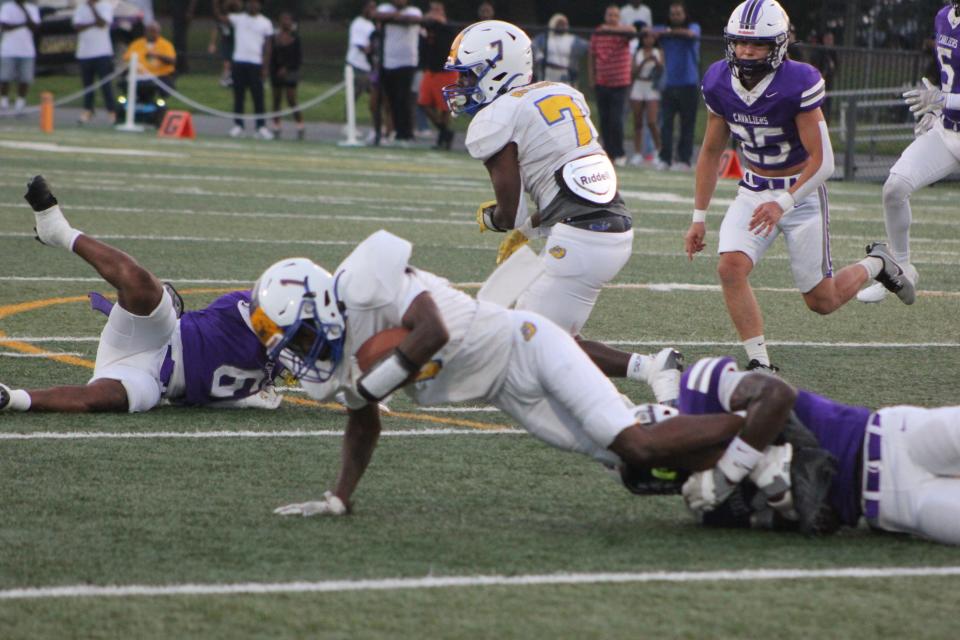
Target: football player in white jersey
(771, 105)
(935, 153)
(538, 139)
(457, 349)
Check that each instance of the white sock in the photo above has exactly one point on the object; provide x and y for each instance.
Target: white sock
(640, 367)
(757, 350)
(20, 104)
(873, 265)
(54, 230)
(19, 400)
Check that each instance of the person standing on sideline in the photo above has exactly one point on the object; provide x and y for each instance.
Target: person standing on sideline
(681, 53)
(609, 69)
(181, 11)
(285, 62)
(435, 47)
(92, 20)
(557, 52)
(251, 59)
(361, 55)
(644, 96)
(401, 55)
(221, 42)
(18, 22)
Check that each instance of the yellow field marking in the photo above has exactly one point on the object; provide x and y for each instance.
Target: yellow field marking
(22, 307)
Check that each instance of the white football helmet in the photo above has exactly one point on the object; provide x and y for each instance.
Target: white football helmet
(761, 22)
(492, 58)
(298, 316)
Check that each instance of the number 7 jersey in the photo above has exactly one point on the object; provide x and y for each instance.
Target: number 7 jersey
(549, 121)
(763, 119)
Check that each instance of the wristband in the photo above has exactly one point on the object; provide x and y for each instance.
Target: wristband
(384, 378)
(738, 460)
(699, 215)
(786, 201)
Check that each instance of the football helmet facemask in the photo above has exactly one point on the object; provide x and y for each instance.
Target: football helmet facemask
(762, 22)
(492, 57)
(297, 314)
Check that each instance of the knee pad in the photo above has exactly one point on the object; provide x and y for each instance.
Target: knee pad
(896, 189)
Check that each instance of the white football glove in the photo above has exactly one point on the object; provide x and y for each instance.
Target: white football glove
(331, 505)
(921, 101)
(704, 490)
(926, 123)
(772, 473)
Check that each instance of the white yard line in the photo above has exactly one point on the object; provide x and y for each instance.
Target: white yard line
(212, 435)
(447, 582)
(4, 354)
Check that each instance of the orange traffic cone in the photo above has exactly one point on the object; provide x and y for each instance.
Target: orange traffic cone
(730, 167)
(46, 112)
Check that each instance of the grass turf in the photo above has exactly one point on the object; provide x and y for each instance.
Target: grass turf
(212, 214)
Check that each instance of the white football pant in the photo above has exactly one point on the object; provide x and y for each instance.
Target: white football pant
(577, 263)
(920, 472)
(132, 349)
(805, 228)
(930, 158)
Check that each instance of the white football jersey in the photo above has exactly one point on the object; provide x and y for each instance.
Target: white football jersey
(549, 121)
(377, 285)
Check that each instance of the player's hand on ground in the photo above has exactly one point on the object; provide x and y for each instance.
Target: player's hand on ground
(765, 218)
(331, 505)
(704, 490)
(693, 241)
(514, 240)
(923, 100)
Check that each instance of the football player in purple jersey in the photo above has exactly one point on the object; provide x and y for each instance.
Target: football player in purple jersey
(897, 467)
(771, 105)
(935, 153)
(148, 351)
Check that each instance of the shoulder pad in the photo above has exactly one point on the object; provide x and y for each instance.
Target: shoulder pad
(373, 273)
(492, 129)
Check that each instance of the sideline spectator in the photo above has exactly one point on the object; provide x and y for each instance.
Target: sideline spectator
(557, 52)
(486, 11)
(251, 59)
(824, 58)
(18, 23)
(221, 41)
(644, 96)
(285, 60)
(435, 48)
(92, 22)
(681, 95)
(362, 56)
(609, 68)
(636, 14)
(401, 40)
(155, 57)
(794, 48)
(181, 12)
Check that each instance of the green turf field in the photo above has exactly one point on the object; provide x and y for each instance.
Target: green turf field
(448, 497)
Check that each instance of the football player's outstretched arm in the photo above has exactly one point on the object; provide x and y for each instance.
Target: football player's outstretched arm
(504, 169)
(359, 441)
(715, 141)
(680, 441)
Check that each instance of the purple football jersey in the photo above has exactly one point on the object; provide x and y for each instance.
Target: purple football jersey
(767, 128)
(839, 428)
(222, 357)
(948, 57)
(700, 386)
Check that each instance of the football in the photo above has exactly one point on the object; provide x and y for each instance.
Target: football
(379, 346)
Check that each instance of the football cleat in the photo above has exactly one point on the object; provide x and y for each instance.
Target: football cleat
(176, 298)
(665, 380)
(756, 365)
(38, 194)
(877, 292)
(4, 396)
(892, 276)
